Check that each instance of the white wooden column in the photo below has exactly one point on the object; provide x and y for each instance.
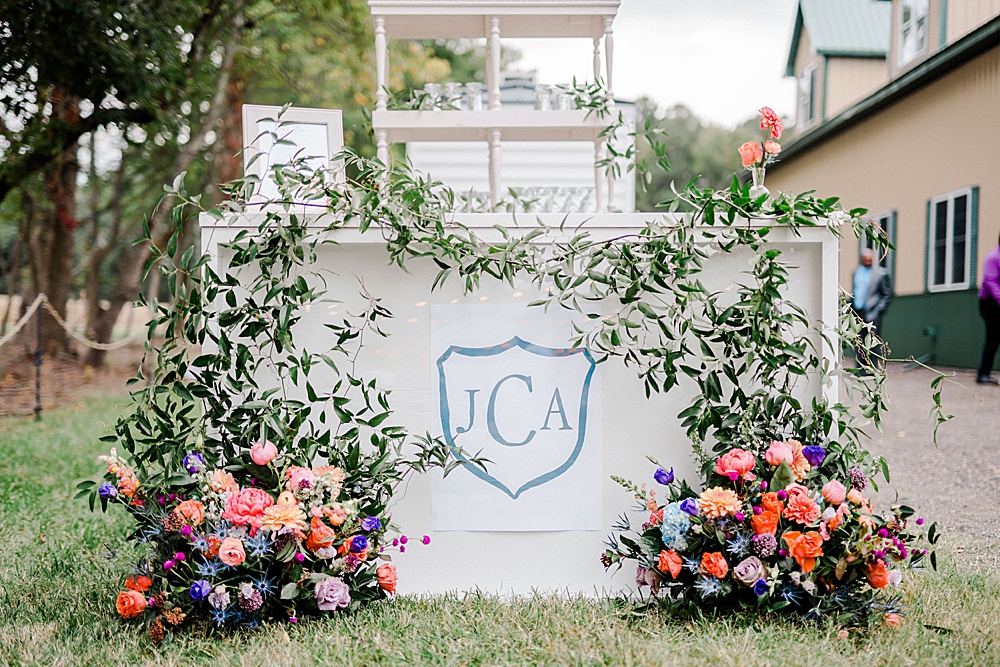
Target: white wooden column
(597, 59)
(493, 63)
(381, 64)
(609, 50)
(382, 146)
(494, 168)
(598, 175)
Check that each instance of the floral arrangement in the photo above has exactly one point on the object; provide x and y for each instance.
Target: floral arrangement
(756, 155)
(292, 539)
(781, 526)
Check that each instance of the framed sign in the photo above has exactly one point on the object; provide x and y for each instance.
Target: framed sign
(273, 136)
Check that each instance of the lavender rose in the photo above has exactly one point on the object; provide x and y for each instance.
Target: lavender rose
(748, 571)
(332, 594)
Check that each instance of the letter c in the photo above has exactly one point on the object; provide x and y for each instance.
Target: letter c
(491, 421)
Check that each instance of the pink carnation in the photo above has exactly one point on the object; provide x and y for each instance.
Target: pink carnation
(770, 120)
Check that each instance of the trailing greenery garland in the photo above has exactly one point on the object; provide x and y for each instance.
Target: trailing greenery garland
(203, 410)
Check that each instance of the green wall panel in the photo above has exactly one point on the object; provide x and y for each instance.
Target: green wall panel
(953, 315)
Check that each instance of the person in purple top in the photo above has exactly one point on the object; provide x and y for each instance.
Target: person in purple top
(989, 308)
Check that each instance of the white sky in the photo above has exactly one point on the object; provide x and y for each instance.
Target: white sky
(723, 59)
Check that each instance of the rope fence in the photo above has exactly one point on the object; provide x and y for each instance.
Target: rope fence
(42, 302)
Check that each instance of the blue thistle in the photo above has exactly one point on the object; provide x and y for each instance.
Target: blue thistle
(259, 545)
(208, 569)
(692, 564)
(221, 616)
(708, 586)
(200, 543)
(740, 544)
(264, 584)
(791, 594)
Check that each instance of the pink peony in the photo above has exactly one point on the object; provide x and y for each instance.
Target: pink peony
(751, 153)
(770, 120)
(246, 507)
(263, 453)
(834, 492)
(738, 462)
(778, 452)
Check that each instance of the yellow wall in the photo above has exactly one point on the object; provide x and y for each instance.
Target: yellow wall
(850, 80)
(964, 16)
(944, 137)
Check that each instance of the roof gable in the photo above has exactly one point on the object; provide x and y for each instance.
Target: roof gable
(842, 28)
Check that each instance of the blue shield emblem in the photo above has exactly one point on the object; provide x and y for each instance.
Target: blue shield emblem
(520, 405)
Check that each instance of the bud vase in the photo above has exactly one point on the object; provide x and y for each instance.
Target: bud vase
(758, 189)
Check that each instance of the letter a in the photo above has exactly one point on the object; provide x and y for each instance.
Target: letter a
(559, 410)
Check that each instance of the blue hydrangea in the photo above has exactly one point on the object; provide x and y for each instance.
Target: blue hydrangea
(675, 526)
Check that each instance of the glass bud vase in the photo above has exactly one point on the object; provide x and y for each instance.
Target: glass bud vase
(758, 189)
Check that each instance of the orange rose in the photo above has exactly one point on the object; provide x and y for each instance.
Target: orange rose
(736, 464)
(878, 575)
(855, 496)
(387, 577)
(805, 548)
(320, 535)
(772, 147)
(801, 508)
(750, 152)
(192, 510)
(213, 545)
(715, 564)
(139, 583)
(130, 604)
(769, 501)
(231, 551)
(765, 522)
(670, 562)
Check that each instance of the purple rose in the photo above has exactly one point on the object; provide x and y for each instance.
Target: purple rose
(370, 523)
(748, 571)
(690, 506)
(332, 594)
(194, 462)
(359, 544)
(814, 455)
(647, 577)
(200, 590)
(664, 477)
(107, 490)
(760, 587)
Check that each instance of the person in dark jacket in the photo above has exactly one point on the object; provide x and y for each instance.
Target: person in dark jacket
(872, 292)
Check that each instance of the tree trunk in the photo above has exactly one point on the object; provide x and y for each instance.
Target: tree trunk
(51, 254)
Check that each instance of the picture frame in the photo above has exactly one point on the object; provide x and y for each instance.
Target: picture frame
(274, 135)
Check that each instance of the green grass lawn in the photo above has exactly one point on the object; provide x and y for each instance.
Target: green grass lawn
(61, 567)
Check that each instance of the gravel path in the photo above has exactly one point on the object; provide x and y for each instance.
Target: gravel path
(956, 483)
